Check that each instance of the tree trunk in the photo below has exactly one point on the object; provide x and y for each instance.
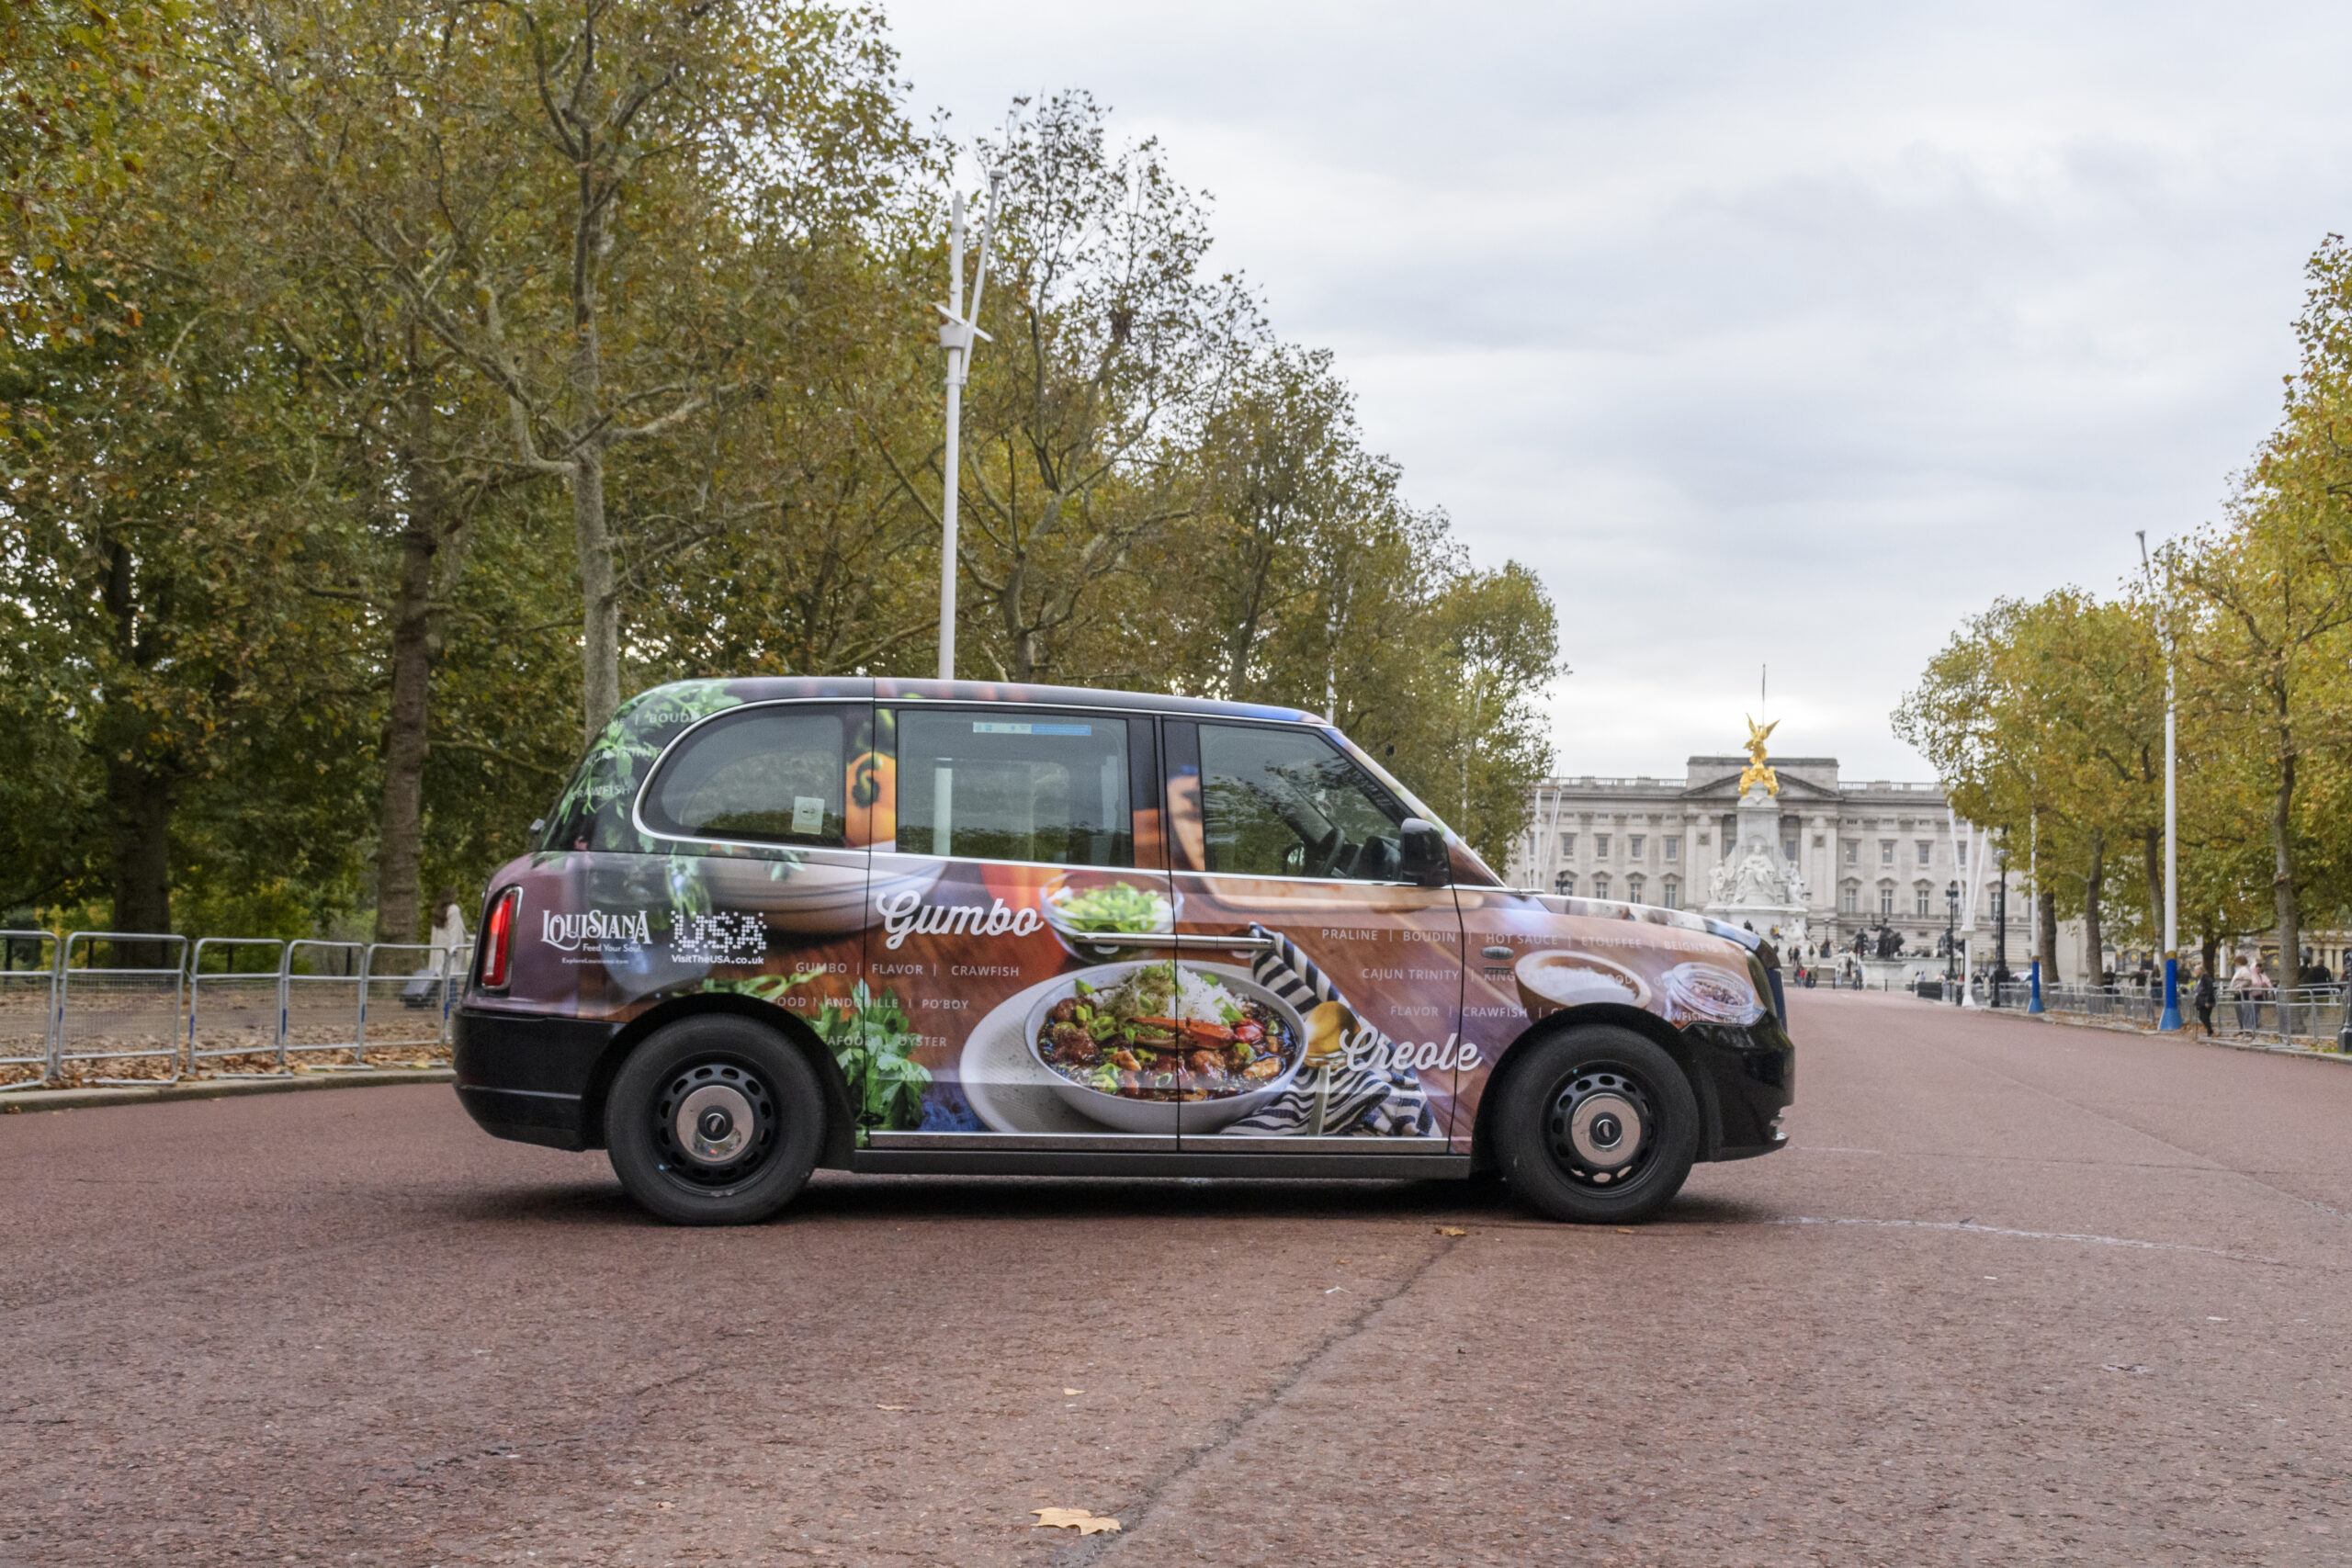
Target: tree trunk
(139, 801)
(2095, 960)
(1020, 643)
(139, 783)
(600, 643)
(2282, 854)
(2049, 924)
(400, 842)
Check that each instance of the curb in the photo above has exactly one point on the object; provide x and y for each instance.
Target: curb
(215, 1088)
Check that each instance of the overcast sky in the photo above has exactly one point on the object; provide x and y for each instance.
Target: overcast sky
(1766, 334)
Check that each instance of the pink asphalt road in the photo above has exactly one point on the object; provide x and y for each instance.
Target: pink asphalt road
(2018, 1293)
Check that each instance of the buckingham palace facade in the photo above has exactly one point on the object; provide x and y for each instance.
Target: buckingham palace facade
(1870, 855)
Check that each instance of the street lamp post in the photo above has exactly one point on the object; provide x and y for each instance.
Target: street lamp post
(2000, 925)
(2170, 1018)
(2034, 907)
(956, 330)
(1951, 928)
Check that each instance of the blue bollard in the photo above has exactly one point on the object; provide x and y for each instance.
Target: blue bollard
(2171, 1019)
(2034, 1005)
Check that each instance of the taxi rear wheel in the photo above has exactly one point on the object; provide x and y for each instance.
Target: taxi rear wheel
(713, 1122)
(1597, 1126)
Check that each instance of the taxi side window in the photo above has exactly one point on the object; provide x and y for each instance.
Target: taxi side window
(1014, 784)
(761, 774)
(1286, 803)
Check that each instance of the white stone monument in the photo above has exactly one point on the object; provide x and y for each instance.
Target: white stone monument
(1755, 884)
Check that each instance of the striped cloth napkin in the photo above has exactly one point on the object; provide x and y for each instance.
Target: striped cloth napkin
(1338, 1101)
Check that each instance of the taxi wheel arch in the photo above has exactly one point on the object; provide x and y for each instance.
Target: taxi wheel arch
(1597, 1124)
(840, 1119)
(1483, 1157)
(715, 1120)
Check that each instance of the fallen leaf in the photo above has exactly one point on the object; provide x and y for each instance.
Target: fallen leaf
(1451, 1230)
(1077, 1520)
(1068, 1391)
(894, 1407)
(1622, 1230)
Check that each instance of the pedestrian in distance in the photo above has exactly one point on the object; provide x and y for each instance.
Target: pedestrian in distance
(448, 924)
(2242, 985)
(425, 984)
(2204, 1000)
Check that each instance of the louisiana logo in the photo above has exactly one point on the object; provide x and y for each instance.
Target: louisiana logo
(603, 931)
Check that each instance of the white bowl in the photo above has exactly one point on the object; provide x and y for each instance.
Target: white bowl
(1079, 880)
(1557, 978)
(1199, 1117)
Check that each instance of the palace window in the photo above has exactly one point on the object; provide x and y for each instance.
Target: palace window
(1634, 885)
(1566, 882)
(1853, 853)
(1673, 851)
(1851, 901)
(1788, 851)
(1669, 892)
(1960, 854)
(1886, 899)
(1919, 899)
(1886, 851)
(1601, 846)
(1567, 845)
(1924, 846)
(1634, 847)
(1600, 884)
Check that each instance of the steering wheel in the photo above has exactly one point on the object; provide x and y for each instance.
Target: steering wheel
(1322, 853)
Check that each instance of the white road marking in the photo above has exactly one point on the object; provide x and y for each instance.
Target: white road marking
(2028, 1236)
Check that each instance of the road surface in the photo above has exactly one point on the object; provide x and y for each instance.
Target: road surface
(2019, 1294)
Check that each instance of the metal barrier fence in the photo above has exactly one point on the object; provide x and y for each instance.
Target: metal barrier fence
(236, 1012)
(2309, 1013)
(2314, 1013)
(29, 1005)
(254, 1002)
(403, 999)
(461, 969)
(123, 1012)
(322, 1010)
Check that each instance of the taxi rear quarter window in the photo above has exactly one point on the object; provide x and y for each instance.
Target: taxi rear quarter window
(760, 775)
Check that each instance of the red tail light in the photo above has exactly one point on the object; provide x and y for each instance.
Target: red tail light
(498, 939)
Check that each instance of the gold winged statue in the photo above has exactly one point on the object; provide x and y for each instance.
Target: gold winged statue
(1756, 772)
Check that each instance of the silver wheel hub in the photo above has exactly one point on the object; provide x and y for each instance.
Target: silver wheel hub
(713, 1123)
(1605, 1129)
(1601, 1126)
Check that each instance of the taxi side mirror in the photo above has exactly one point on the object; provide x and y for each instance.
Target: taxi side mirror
(1421, 846)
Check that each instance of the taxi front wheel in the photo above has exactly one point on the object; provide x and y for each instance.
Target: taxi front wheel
(1597, 1125)
(715, 1120)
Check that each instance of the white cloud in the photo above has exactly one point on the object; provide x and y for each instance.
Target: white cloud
(1784, 335)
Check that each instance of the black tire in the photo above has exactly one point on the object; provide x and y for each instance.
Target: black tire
(1596, 1126)
(716, 1171)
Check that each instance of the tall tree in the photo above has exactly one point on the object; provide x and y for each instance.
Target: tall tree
(1113, 340)
(599, 174)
